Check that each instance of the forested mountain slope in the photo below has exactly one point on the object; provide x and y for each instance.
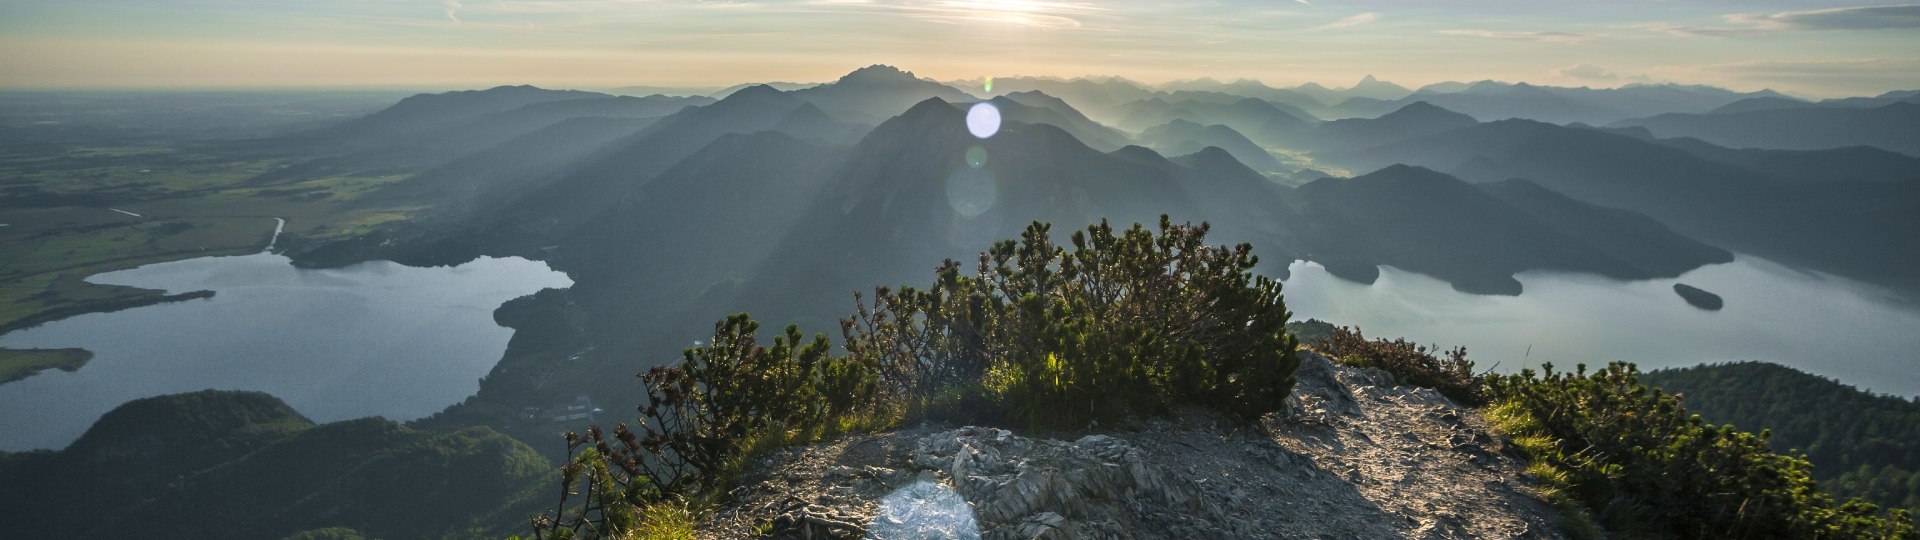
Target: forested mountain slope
(1861, 444)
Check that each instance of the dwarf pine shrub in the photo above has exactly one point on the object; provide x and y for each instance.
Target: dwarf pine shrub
(1645, 468)
(1410, 364)
(1123, 324)
(701, 419)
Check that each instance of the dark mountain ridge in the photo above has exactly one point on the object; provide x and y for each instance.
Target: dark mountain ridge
(1491, 100)
(1368, 87)
(1415, 120)
(1261, 121)
(1184, 137)
(1889, 127)
(1034, 107)
(1846, 229)
(429, 130)
(171, 466)
(876, 92)
(1837, 165)
(1478, 237)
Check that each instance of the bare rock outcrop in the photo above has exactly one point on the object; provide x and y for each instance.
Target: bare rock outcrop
(1354, 456)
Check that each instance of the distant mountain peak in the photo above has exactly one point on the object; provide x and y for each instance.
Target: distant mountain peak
(1140, 153)
(1400, 174)
(1213, 154)
(1183, 123)
(1421, 105)
(879, 73)
(1402, 169)
(1035, 98)
(1424, 110)
(758, 91)
(932, 108)
(807, 112)
(1371, 84)
(1488, 84)
(1759, 103)
(1255, 103)
(512, 88)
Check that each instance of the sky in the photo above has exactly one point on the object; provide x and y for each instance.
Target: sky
(1811, 48)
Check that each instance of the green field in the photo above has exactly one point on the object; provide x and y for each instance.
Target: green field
(16, 364)
(70, 216)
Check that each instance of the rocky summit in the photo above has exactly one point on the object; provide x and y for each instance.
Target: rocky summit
(1353, 456)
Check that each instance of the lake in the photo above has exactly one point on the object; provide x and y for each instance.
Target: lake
(372, 339)
(1821, 324)
(384, 339)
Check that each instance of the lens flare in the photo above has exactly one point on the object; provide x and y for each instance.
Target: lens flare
(971, 192)
(983, 120)
(976, 157)
(924, 509)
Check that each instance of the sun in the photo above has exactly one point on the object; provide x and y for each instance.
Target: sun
(1004, 6)
(1033, 13)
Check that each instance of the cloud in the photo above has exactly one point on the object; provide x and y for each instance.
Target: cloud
(1541, 36)
(1849, 18)
(453, 10)
(1682, 30)
(1032, 13)
(1355, 20)
(1586, 72)
(1896, 17)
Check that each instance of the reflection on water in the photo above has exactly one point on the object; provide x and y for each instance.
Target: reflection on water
(375, 338)
(1820, 324)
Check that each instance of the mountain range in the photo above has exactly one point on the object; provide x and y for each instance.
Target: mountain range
(1492, 100)
(782, 200)
(1850, 228)
(1799, 127)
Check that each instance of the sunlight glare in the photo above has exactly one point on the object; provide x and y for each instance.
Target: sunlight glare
(983, 120)
(972, 192)
(924, 509)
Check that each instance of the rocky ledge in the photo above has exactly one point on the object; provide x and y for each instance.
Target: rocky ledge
(1354, 456)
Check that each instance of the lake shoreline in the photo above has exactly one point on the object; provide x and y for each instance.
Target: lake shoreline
(16, 366)
(376, 339)
(19, 364)
(109, 306)
(1818, 323)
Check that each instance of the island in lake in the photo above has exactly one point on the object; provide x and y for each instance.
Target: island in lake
(1698, 297)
